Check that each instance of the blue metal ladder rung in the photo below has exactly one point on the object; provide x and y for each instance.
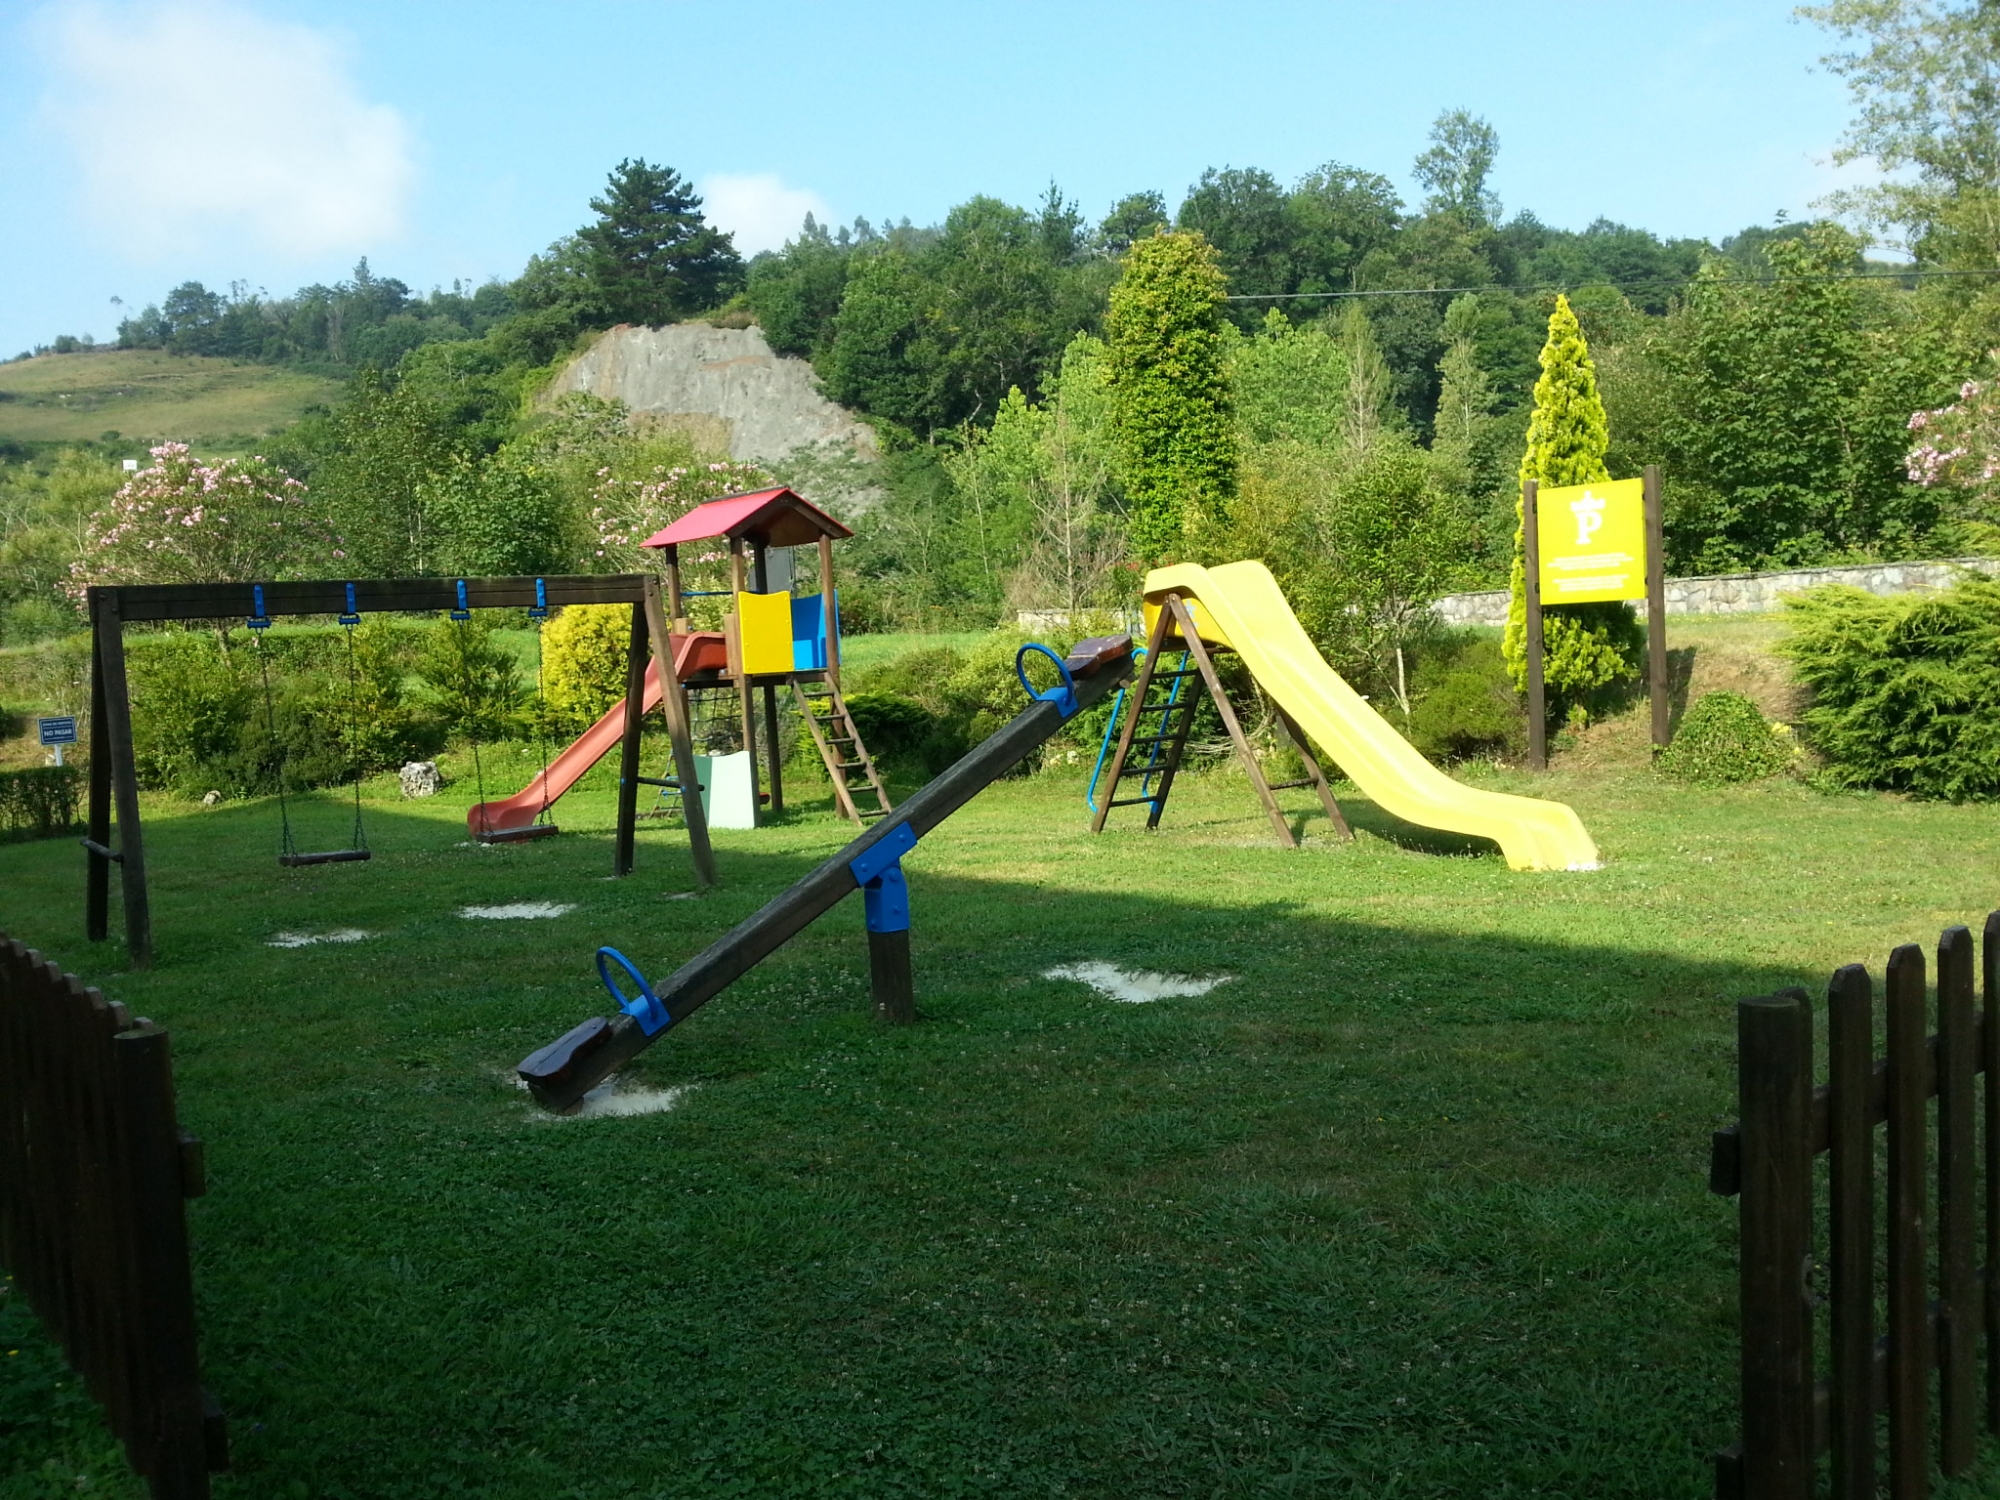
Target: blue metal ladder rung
(1153, 766)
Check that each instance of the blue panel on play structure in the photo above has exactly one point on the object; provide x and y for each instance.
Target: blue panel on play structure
(809, 632)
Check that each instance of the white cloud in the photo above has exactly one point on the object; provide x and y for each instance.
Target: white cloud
(759, 210)
(197, 121)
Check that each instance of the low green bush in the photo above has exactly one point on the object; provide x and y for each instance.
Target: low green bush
(40, 802)
(1462, 702)
(1906, 690)
(1725, 738)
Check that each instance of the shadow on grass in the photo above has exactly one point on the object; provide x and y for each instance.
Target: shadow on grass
(1395, 1205)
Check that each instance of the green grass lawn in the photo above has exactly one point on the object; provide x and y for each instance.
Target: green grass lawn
(1413, 1204)
(146, 394)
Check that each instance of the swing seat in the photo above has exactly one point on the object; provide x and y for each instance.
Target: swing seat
(326, 857)
(521, 835)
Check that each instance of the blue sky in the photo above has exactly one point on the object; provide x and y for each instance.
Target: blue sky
(275, 141)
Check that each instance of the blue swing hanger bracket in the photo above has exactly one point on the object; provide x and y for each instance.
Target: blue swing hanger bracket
(464, 610)
(353, 614)
(540, 611)
(878, 870)
(260, 620)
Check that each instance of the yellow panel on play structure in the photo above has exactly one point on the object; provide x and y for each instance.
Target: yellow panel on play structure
(765, 621)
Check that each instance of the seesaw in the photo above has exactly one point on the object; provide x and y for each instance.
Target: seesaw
(560, 1074)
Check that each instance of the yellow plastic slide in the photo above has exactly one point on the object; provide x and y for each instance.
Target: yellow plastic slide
(1240, 606)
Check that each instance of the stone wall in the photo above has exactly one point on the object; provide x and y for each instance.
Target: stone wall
(1748, 593)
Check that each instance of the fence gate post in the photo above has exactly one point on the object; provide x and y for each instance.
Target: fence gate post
(1774, 1082)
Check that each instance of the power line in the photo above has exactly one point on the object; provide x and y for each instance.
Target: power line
(1617, 286)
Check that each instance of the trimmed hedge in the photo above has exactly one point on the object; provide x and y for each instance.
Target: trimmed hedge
(41, 802)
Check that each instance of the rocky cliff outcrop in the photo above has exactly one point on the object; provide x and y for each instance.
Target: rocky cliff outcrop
(723, 387)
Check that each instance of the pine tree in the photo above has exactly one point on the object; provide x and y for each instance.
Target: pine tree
(1172, 410)
(1584, 646)
(651, 257)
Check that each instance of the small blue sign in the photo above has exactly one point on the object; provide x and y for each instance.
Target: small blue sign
(60, 731)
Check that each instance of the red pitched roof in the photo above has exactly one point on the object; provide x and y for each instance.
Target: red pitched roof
(777, 518)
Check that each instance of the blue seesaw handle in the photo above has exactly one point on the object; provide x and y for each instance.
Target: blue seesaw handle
(1062, 695)
(644, 1007)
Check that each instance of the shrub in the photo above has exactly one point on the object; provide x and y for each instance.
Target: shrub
(200, 720)
(41, 801)
(1463, 705)
(1724, 738)
(475, 686)
(583, 662)
(902, 734)
(1906, 691)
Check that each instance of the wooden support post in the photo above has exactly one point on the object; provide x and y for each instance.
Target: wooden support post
(889, 979)
(676, 610)
(1958, 1274)
(1184, 620)
(1851, 1210)
(1990, 1046)
(673, 702)
(628, 749)
(1538, 713)
(1315, 773)
(97, 866)
(124, 781)
(1774, 1063)
(1656, 606)
(774, 764)
(1909, 1318)
(830, 609)
(746, 712)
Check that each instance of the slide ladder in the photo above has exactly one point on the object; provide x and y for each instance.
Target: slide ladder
(841, 750)
(1156, 737)
(1163, 744)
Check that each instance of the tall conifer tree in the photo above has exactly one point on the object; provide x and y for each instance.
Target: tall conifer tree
(1584, 646)
(1172, 410)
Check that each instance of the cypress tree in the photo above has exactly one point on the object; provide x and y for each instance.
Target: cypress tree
(1172, 412)
(1584, 646)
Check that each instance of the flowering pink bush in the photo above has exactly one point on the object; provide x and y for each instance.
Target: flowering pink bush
(183, 521)
(624, 512)
(1959, 445)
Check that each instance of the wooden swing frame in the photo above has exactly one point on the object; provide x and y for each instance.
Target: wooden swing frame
(114, 780)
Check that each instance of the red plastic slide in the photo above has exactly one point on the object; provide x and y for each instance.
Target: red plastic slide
(692, 653)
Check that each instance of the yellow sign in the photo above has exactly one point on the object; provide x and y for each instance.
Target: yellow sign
(1593, 542)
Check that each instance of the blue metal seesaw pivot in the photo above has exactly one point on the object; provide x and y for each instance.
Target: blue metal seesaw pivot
(878, 870)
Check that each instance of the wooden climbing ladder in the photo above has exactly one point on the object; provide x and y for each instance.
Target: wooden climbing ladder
(1168, 719)
(840, 747)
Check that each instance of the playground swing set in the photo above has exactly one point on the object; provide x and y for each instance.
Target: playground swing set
(770, 642)
(113, 778)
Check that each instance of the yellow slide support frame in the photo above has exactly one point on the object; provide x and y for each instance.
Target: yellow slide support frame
(1239, 606)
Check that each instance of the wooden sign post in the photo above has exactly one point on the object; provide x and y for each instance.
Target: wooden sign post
(1538, 710)
(1656, 606)
(1590, 544)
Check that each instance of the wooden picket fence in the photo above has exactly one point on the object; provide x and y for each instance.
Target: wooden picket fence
(1936, 1298)
(93, 1173)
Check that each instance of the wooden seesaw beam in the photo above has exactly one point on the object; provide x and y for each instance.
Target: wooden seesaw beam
(560, 1074)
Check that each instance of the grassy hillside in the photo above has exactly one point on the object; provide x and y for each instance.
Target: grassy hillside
(144, 394)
